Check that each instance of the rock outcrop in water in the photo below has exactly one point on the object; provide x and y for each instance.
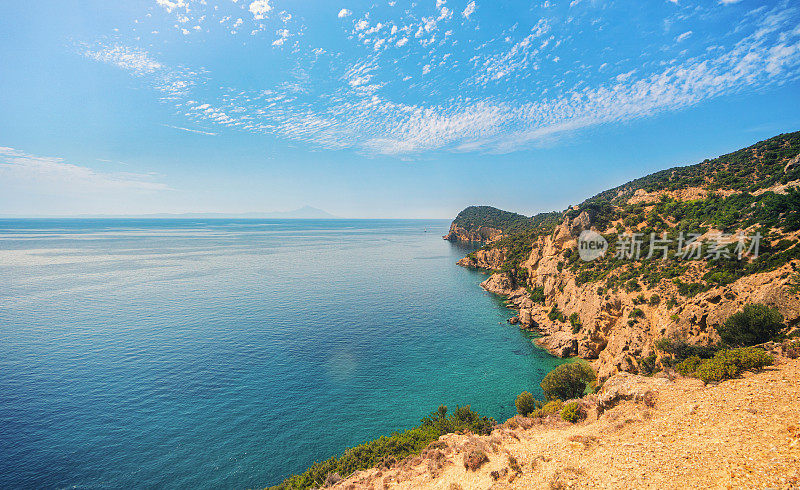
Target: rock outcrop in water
(611, 311)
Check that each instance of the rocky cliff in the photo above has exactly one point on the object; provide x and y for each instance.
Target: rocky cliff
(611, 311)
(476, 234)
(484, 224)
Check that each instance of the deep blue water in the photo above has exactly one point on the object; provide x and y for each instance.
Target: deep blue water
(231, 353)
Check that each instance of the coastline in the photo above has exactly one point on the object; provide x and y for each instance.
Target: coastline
(640, 432)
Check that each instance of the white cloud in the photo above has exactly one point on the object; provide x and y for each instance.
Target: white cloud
(469, 10)
(53, 174)
(345, 13)
(683, 36)
(260, 9)
(198, 131)
(499, 104)
(283, 35)
(127, 58)
(622, 77)
(171, 5)
(729, 2)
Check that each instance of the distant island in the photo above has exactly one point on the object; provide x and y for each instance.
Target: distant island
(305, 212)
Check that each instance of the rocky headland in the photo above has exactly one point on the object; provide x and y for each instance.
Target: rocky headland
(611, 311)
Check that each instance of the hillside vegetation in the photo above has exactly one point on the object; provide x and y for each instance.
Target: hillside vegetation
(731, 202)
(477, 216)
(741, 209)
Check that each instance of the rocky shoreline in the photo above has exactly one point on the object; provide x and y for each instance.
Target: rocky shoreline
(609, 335)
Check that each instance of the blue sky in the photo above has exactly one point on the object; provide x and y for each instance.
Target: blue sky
(377, 109)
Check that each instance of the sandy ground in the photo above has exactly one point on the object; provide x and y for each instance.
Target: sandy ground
(742, 433)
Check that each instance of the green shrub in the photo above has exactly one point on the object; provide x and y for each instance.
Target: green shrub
(556, 315)
(537, 294)
(688, 366)
(725, 364)
(636, 313)
(575, 321)
(755, 324)
(679, 349)
(655, 300)
(647, 365)
(715, 370)
(746, 358)
(389, 449)
(525, 404)
(567, 381)
(632, 285)
(572, 412)
(549, 408)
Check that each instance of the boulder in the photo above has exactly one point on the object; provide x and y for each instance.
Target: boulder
(625, 386)
(582, 222)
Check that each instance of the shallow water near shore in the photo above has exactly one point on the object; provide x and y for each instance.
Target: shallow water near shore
(231, 353)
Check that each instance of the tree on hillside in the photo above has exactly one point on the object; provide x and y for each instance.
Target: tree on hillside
(755, 324)
(567, 381)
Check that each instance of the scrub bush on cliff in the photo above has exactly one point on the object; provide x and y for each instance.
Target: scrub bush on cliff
(525, 404)
(725, 364)
(567, 381)
(572, 412)
(387, 450)
(755, 324)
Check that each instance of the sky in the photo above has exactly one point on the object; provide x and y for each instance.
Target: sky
(377, 109)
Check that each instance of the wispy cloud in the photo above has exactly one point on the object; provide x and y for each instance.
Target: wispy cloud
(469, 10)
(501, 103)
(18, 168)
(198, 131)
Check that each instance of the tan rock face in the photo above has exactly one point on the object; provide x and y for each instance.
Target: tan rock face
(484, 259)
(608, 336)
(480, 234)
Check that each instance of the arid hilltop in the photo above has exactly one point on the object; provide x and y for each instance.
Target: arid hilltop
(641, 432)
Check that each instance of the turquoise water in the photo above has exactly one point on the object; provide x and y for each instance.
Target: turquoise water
(231, 353)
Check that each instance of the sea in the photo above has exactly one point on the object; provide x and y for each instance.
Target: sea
(231, 353)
